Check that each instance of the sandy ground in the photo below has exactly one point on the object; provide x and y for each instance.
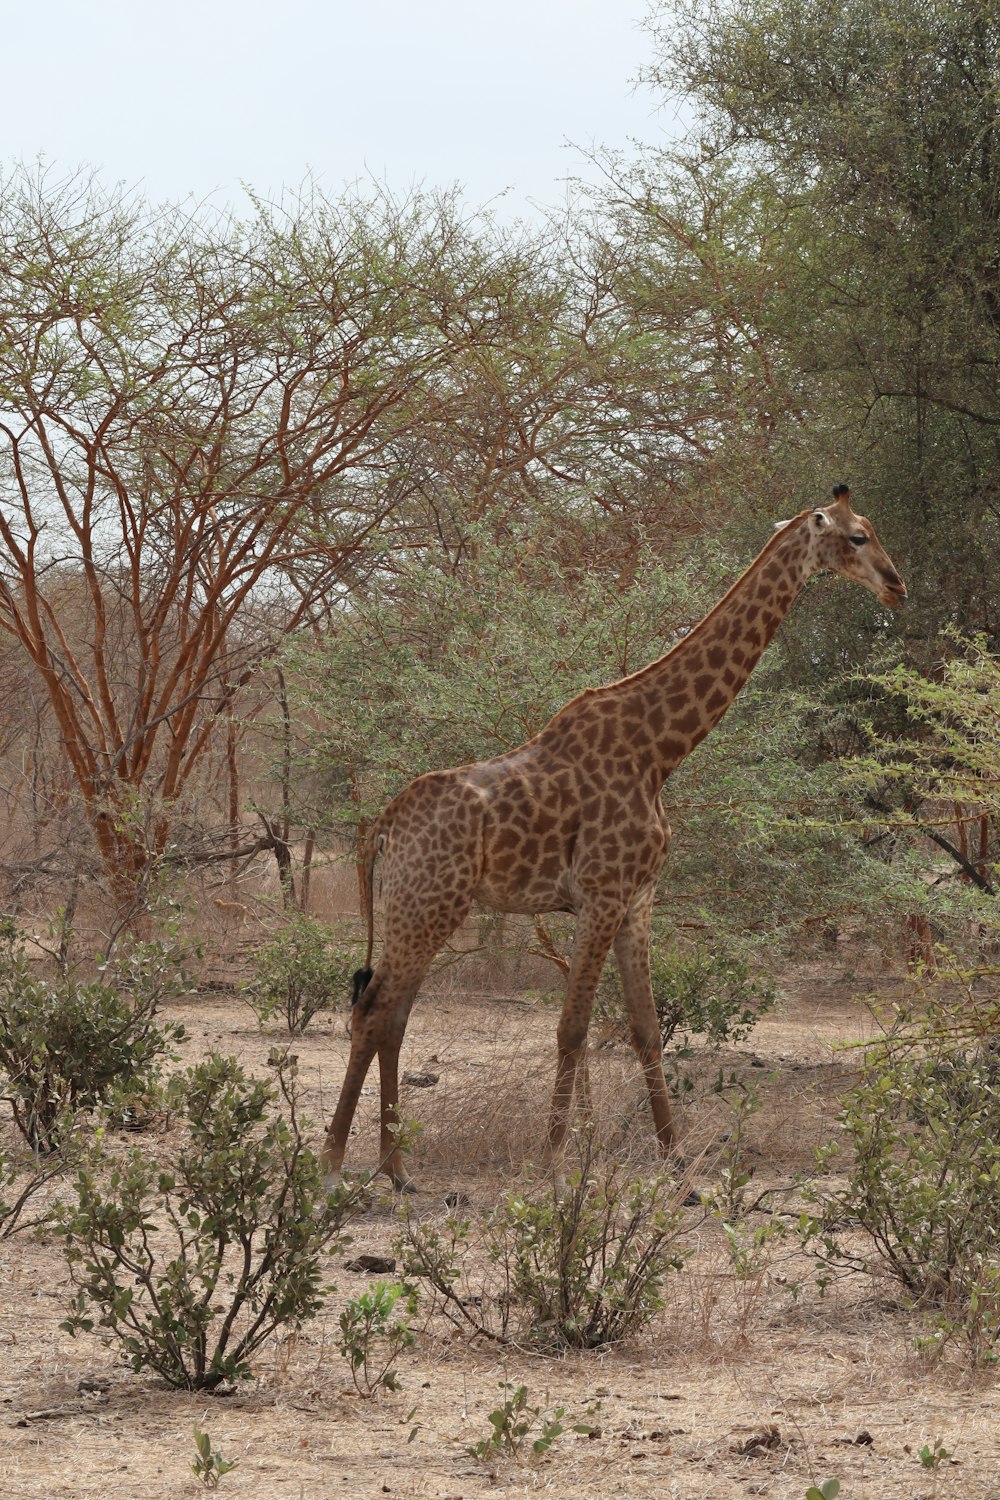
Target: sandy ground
(832, 1384)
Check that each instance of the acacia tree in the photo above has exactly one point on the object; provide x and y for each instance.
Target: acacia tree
(201, 426)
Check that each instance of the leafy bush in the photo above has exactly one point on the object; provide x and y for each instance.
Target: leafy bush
(587, 1265)
(713, 995)
(931, 791)
(578, 1269)
(67, 1045)
(924, 1183)
(189, 1264)
(299, 972)
(372, 1336)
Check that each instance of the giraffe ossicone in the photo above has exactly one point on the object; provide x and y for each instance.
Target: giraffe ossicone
(572, 821)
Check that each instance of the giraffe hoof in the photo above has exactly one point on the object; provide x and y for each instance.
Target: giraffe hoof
(404, 1185)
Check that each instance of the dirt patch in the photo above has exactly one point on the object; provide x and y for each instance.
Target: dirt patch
(752, 1386)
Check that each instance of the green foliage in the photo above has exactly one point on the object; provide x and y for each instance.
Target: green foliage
(67, 1045)
(933, 1455)
(955, 754)
(587, 1265)
(372, 1335)
(301, 971)
(928, 787)
(189, 1263)
(923, 1125)
(515, 1419)
(578, 1269)
(766, 852)
(207, 1466)
(442, 1259)
(728, 1198)
(712, 995)
(438, 669)
(884, 310)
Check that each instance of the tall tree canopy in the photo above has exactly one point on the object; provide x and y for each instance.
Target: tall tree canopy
(871, 132)
(212, 430)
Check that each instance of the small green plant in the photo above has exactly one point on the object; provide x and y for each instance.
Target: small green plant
(190, 1262)
(299, 972)
(970, 1320)
(441, 1259)
(372, 1335)
(515, 1419)
(207, 1466)
(933, 1455)
(828, 1490)
(750, 1240)
(587, 1265)
(729, 1197)
(577, 1269)
(67, 1045)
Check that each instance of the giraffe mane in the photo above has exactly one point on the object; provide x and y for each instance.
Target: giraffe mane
(771, 545)
(759, 561)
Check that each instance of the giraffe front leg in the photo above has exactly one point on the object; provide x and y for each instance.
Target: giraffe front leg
(632, 954)
(593, 940)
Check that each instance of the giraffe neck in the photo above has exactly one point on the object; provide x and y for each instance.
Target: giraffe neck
(682, 696)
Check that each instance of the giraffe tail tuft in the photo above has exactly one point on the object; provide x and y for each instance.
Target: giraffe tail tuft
(361, 981)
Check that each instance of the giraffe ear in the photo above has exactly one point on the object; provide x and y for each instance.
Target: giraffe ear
(821, 520)
(780, 525)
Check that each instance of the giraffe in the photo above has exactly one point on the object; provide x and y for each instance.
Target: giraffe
(572, 821)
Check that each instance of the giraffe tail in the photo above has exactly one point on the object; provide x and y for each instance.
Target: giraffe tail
(362, 977)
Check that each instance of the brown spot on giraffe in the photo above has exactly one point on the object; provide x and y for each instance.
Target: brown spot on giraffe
(572, 821)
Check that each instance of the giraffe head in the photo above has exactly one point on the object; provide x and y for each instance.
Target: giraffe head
(845, 543)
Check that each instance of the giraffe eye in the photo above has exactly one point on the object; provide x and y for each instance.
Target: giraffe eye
(858, 541)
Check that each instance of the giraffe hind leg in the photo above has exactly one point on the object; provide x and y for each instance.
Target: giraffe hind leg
(431, 864)
(364, 1044)
(379, 1018)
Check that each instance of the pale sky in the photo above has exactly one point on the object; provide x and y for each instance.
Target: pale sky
(196, 96)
